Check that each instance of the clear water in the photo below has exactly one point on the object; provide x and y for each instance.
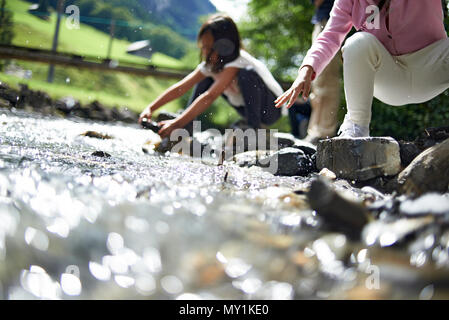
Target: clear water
(139, 226)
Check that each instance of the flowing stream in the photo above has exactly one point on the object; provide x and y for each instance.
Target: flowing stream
(146, 226)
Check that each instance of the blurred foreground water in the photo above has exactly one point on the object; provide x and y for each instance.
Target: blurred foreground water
(136, 226)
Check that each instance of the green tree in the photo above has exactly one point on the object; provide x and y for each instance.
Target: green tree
(6, 24)
(279, 32)
(6, 28)
(44, 6)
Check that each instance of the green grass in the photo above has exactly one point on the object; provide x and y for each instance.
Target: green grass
(120, 90)
(33, 32)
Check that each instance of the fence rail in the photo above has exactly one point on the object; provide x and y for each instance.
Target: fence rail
(87, 62)
(93, 63)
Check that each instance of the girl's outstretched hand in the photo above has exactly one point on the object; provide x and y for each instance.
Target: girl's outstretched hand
(167, 127)
(302, 85)
(146, 113)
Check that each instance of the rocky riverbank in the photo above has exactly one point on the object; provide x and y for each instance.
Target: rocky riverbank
(39, 101)
(309, 230)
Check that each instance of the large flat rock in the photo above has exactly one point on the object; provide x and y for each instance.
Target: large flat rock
(359, 159)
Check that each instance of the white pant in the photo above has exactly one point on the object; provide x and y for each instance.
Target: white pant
(370, 70)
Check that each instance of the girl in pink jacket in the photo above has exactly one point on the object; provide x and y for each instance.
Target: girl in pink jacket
(400, 56)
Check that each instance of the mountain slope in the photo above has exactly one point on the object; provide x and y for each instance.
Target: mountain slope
(170, 25)
(181, 15)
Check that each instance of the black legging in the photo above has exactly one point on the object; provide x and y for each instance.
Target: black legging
(259, 100)
(297, 112)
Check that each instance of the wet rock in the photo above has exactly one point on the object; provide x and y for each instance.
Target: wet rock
(385, 233)
(117, 115)
(150, 125)
(5, 103)
(308, 148)
(96, 135)
(359, 159)
(9, 94)
(389, 206)
(284, 140)
(290, 162)
(101, 154)
(431, 203)
(167, 145)
(164, 146)
(187, 146)
(339, 213)
(36, 99)
(429, 172)
(385, 184)
(325, 172)
(67, 105)
(81, 112)
(150, 145)
(374, 193)
(99, 112)
(251, 158)
(409, 151)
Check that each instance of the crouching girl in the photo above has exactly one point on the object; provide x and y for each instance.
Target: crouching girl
(400, 56)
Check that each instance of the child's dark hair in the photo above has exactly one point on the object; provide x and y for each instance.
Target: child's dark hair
(226, 36)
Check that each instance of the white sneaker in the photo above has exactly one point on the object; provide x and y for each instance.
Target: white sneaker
(349, 129)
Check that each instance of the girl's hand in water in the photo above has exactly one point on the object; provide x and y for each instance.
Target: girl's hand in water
(301, 85)
(168, 126)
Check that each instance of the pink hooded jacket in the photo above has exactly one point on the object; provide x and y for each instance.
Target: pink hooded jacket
(413, 25)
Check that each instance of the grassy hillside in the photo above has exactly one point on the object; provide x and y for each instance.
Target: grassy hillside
(36, 33)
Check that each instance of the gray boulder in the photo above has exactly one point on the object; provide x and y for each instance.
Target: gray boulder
(359, 159)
